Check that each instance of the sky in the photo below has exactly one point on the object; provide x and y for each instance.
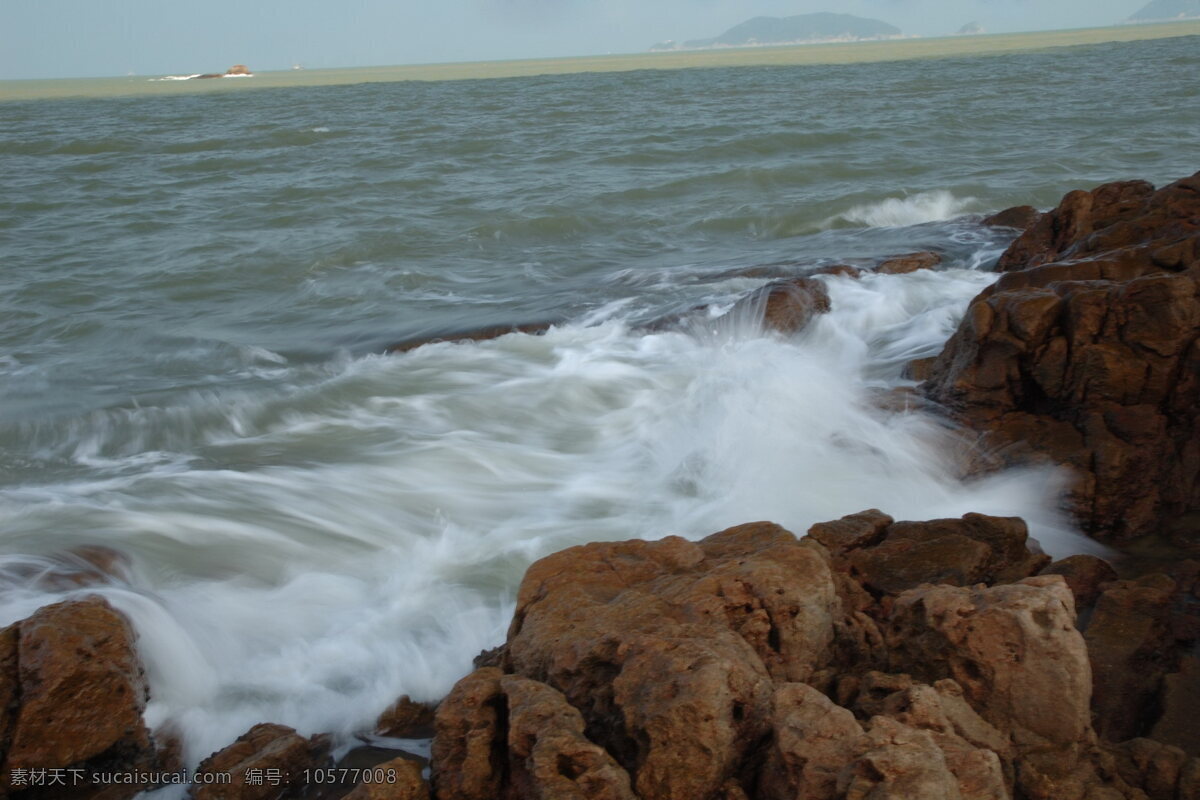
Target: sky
(95, 38)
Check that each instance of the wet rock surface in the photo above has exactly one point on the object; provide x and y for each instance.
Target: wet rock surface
(267, 762)
(1086, 354)
(72, 693)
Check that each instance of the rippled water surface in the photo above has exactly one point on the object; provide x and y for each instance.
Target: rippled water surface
(196, 292)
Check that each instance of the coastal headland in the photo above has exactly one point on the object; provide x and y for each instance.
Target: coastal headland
(868, 658)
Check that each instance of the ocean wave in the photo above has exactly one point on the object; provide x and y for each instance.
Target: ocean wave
(900, 212)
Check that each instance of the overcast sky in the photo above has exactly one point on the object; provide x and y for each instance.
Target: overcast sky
(83, 38)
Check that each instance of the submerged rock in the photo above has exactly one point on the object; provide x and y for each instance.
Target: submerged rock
(785, 306)
(902, 265)
(475, 335)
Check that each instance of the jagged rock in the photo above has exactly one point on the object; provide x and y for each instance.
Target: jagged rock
(401, 781)
(1087, 354)
(785, 306)
(1013, 649)
(674, 645)
(1085, 574)
(902, 265)
(72, 695)
(902, 763)
(406, 719)
(1131, 649)
(1020, 217)
(238, 69)
(890, 558)
(1112, 216)
(813, 740)
(278, 757)
(1151, 766)
(853, 531)
(550, 758)
(469, 759)
(504, 737)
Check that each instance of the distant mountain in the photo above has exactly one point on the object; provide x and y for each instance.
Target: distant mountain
(1157, 10)
(800, 29)
(971, 29)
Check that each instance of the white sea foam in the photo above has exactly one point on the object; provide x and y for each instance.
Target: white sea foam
(362, 536)
(898, 212)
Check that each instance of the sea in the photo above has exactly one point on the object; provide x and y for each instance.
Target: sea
(198, 292)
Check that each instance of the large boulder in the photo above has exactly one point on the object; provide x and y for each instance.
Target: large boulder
(674, 644)
(72, 695)
(1086, 353)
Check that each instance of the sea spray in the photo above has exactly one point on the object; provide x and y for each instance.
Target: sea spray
(312, 592)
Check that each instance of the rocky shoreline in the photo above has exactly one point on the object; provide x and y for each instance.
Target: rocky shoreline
(869, 658)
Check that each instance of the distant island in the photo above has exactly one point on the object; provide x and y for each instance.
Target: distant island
(970, 29)
(800, 29)
(1163, 10)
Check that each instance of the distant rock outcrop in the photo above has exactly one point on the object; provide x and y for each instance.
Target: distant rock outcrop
(971, 29)
(237, 70)
(1162, 10)
(800, 29)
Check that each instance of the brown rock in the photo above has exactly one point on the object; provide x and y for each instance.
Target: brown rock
(1151, 766)
(919, 369)
(476, 335)
(1013, 649)
(504, 737)
(74, 694)
(550, 758)
(1112, 216)
(842, 270)
(407, 719)
(1088, 355)
(863, 529)
(813, 740)
(959, 552)
(1020, 217)
(238, 69)
(975, 752)
(901, 265)
(1131, 649)
(674, 645)
(1085, 574)
(785, 306)
(278, 754)
(401, 780)
(469, 750)
(902, 764)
